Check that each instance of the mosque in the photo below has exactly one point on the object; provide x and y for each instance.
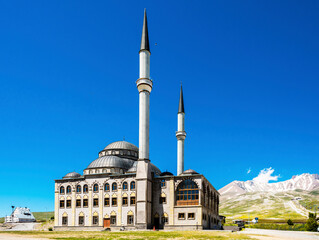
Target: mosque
(123, 189)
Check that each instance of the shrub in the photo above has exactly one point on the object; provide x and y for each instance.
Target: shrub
(311, 225)
(290, 223)
(50, 229)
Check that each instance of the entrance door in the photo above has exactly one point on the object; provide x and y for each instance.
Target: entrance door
(156, 222)
(106, 223)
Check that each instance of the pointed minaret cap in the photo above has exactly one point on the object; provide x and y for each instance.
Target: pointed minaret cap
(145, 45)
(181, 102)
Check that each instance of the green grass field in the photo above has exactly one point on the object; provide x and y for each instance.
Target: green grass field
(140, 235)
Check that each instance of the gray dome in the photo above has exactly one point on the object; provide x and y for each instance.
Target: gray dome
(153, 168)
(189, 171)
(111, 161)
(122, 145)
(72, 175)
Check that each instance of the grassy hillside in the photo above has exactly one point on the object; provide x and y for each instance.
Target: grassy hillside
(43, 216)
(269, 206)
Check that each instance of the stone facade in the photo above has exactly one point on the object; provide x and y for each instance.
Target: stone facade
(89, 201)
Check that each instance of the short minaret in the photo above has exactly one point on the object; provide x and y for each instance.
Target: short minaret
(180, 134)
(143, 171)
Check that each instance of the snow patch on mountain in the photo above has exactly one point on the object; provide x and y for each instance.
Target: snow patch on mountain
(306, 181)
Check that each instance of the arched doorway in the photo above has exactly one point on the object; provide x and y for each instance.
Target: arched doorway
(156, 221)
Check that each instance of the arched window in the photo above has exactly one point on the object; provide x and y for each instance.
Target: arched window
(187, 193)
(125, 186)
(85, 188)
(132, 185)
(114, 187)
(106, 187)
(78, 188)
(163, 183)
(68, 189)
(95, 188)
(62, 190)
(130, 218)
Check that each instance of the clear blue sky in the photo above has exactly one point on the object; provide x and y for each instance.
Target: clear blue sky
(68, 70)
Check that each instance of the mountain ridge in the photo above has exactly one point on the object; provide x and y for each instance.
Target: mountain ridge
(305, 181)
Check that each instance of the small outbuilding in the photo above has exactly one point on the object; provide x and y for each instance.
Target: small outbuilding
(20, 214)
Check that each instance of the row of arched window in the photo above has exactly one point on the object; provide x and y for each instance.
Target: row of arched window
(85, 188)
(95, 219)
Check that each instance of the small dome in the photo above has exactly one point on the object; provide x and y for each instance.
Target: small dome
(153, 168)
(111, 162)
(122, 145)
(167, 174)
(189, 171)
(72, 175)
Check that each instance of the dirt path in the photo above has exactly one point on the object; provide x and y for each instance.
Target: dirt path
(4, 236)
(264, 234)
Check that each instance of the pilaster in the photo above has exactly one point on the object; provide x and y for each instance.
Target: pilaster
(171, 201)
(119, 206)
(101, 203)
(90, 200)
(73, 201)
(56, 205)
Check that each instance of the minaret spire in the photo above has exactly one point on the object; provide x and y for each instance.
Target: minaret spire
(181, 102)
(145, 45)
(180, 134)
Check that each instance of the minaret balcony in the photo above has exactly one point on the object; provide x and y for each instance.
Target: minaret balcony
(144, 84)
(181, 135)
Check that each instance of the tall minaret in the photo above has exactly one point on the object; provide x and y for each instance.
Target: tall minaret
(180, 134)
(143, 171)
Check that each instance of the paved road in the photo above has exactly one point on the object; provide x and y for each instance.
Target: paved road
(265, 234)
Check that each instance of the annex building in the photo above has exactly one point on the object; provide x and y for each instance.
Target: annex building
(122, 188)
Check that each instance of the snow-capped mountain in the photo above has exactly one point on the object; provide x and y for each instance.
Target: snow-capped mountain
(306, 182)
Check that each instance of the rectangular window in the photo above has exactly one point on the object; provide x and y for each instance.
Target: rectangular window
(132, 201)
(81, 220)
(95, 220)
(85, 203)
(65, 221)
(191, 216)
(68, 203)
(61, 203)
(78, 203)
(113, 220)
(114, 201)
(95, 202)
(125, 201)
(181, 216)
(162, 200)
(130, 219)
(106, 202)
